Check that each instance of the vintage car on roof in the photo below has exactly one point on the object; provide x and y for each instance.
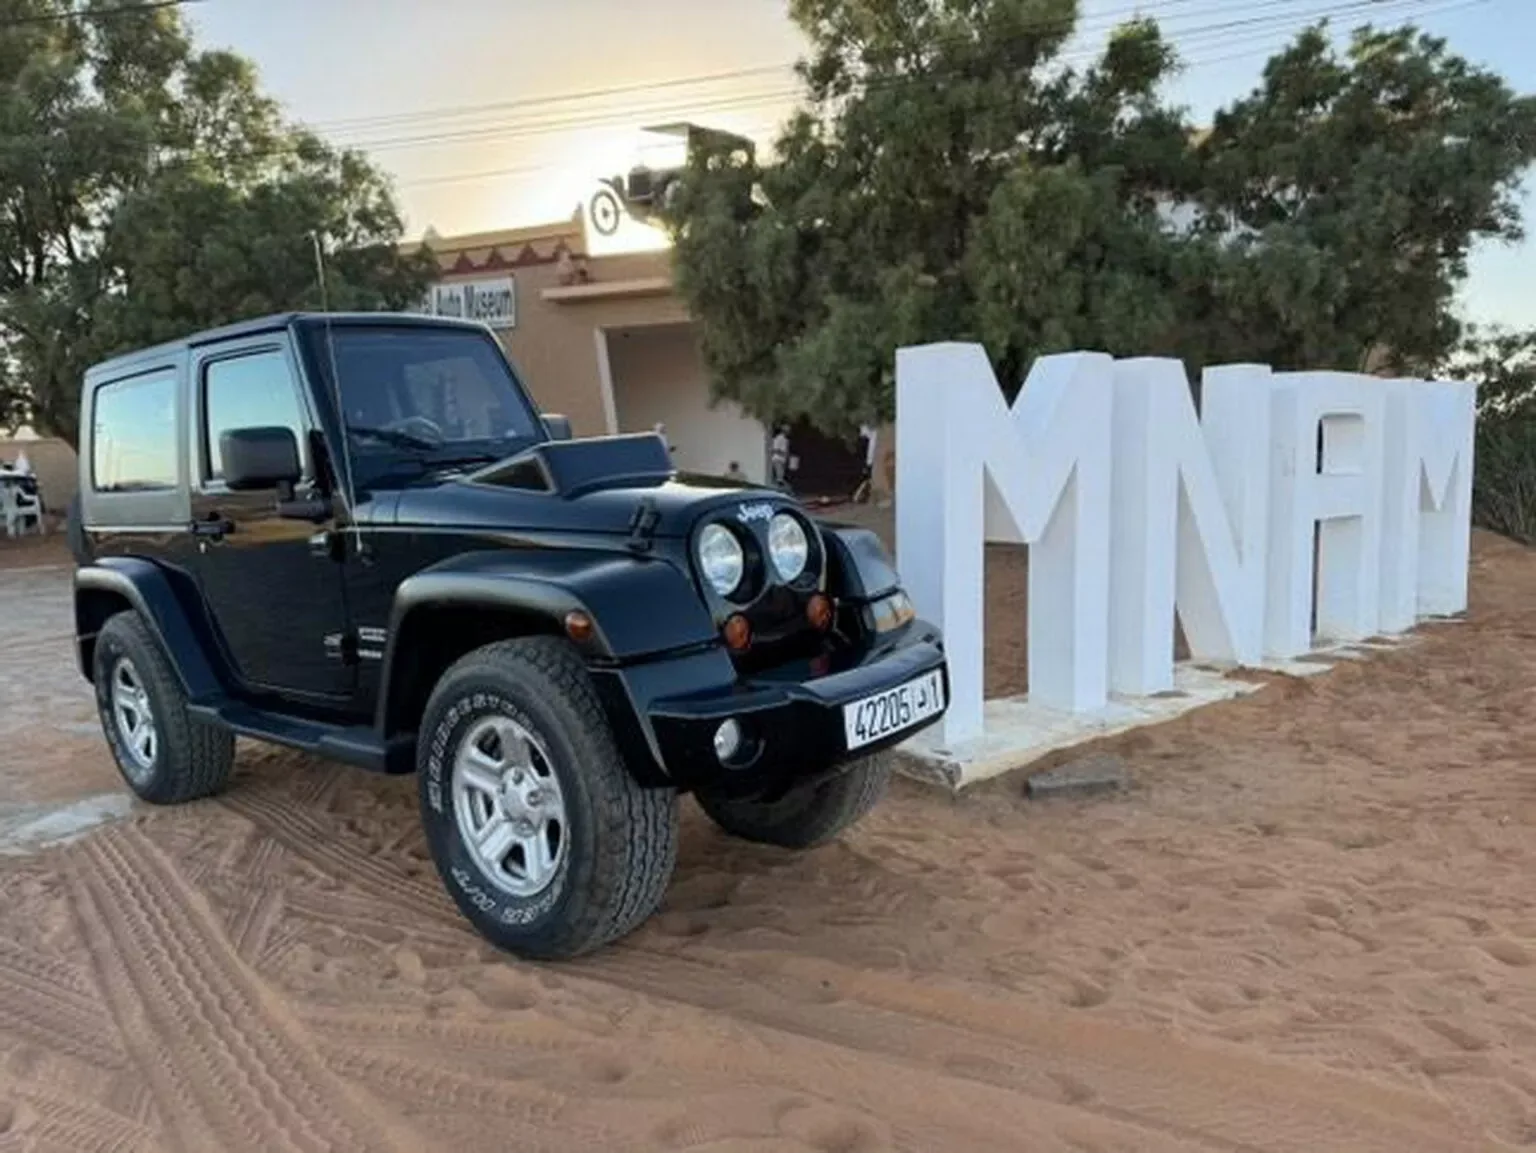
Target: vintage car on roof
(357, 536)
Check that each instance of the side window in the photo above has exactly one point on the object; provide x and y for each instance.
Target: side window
(252, 391)
(133, 438)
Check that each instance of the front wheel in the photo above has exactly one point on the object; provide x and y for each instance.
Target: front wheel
(806, 816)
(540, 833)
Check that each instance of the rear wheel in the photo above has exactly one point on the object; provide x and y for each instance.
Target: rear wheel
(166, 757)
(807, 816)
(540, 833)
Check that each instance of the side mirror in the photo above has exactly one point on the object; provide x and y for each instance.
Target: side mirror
(257, 458)
(559, 426)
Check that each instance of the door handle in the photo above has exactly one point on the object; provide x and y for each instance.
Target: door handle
(215, 527)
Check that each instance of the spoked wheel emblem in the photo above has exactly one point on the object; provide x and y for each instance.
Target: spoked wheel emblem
(509, 807)
(606, 212)
(134, 719)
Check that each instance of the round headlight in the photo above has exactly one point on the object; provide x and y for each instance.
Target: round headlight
(788, 545)
(721, 558)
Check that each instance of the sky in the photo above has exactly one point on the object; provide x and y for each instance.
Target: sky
(494, 114)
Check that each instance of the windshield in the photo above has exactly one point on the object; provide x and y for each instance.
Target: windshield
(425, 397)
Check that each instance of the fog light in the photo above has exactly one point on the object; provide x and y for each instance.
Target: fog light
(727, 740)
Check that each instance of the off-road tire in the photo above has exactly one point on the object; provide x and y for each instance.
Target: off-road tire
(622, 837)
(807, 816)
(193, 760)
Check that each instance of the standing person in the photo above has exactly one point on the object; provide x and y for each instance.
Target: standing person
(870, 435)
(733, 472)
(778, 456)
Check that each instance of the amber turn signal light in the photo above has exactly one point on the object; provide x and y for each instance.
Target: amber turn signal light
(578, 626)
(737, 633)
(818, 610)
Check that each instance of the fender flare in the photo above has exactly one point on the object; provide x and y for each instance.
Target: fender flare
(640, 607)
(859, 567)
(148, 590)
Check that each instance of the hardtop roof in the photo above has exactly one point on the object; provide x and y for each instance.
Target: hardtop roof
(271, 323)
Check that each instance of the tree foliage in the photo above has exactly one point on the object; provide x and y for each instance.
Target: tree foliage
(1352, 189)
(148, 189)
(1503, 364)
(949, 177)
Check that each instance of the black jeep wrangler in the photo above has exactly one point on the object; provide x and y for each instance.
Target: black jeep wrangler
(355, 535)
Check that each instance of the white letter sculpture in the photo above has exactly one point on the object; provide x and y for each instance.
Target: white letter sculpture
(1295, 496)
(970, 470)
(1430, 432)
(1190, 519)
(1329, 444)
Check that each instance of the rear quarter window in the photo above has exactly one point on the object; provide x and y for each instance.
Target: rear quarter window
(133, 434)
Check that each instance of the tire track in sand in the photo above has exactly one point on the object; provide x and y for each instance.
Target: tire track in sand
(1163, 1089)
(31, 1120)
(295, 827)
(51, 1003)
(228, 1067)
(873, 1103)
(1202, 1094)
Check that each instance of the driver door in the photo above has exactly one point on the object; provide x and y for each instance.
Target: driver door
(273, 590)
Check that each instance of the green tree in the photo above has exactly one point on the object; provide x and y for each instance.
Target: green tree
(949, 178)
(1346, 193)
(1503, 364)
(904, 199)
(148, 189)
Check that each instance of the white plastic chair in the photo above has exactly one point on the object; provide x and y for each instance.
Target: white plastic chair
(19, 509)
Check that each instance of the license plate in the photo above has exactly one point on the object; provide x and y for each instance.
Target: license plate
(891, 710)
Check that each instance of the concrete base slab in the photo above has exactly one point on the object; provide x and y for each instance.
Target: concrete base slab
(1320, 660)
(1017, 732)
(27, 828)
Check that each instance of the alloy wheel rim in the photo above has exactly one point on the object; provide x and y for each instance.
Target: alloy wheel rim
(509, 806)
(135, 720)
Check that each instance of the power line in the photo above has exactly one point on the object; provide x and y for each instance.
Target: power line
(1102, 21)
(626, 118)
(364, 122)
(1272, 47)
(95, 13)
(1261, 44)
(1211, 35)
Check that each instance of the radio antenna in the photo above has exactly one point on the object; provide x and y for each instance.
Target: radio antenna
(349, 489)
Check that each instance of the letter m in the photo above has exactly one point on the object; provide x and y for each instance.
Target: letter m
(1431, 431)
(970, 470)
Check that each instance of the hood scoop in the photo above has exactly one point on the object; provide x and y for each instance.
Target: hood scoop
(572, 468)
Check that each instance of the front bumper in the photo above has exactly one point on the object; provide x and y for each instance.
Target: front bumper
(666, 713)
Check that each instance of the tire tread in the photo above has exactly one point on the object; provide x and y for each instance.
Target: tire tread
(637, 825)
(196, 759)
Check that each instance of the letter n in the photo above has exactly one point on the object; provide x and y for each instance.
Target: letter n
(1190, 502)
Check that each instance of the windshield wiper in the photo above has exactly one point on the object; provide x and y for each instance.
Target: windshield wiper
(395, 437)
(469, 458)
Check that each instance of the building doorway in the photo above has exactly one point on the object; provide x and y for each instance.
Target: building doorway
(657, 376)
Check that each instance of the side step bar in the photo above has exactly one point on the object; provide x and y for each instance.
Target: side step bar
(358, 745)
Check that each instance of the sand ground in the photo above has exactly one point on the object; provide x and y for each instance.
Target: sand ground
(1308, 925)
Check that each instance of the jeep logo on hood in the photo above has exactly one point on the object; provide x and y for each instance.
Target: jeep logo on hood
(748, 513)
